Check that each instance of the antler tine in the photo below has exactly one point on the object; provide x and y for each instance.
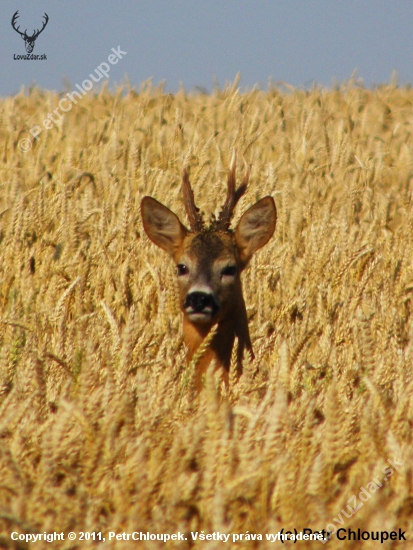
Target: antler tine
(13, 23)
(243, 187)
(233, 195)
(195, 219)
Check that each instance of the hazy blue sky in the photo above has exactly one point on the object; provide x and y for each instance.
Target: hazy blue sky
(193, 42)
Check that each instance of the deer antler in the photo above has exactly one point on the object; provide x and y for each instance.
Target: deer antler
(233, 195)
(24, 34)
(36, 34)
(195, 219)
(13, 23)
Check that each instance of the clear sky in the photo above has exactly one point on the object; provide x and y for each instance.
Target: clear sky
(198, 42)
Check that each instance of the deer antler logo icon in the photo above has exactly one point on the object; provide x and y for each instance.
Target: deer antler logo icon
(29, 41)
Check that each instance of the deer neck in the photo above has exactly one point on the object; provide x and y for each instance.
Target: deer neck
(221, 345)
(235, 324)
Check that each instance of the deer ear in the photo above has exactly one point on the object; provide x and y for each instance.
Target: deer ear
(255, 228)
(162, 226)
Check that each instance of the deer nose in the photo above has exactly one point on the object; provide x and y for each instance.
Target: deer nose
(198, 302)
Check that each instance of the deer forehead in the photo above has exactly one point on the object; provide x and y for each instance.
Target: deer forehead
(208, 247)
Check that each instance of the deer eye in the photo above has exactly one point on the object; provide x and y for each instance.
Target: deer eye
(181, 269)
(229, 271)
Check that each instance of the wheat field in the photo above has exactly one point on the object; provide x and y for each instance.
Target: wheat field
(101, 429)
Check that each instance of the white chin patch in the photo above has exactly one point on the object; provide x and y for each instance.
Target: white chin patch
(200, 316)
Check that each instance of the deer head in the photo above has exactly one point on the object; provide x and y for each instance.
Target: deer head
(209, 261)
(28, 40)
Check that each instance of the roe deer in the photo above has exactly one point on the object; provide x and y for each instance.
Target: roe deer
(209, 261)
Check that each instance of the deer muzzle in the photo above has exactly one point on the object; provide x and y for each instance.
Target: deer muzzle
(201, 306)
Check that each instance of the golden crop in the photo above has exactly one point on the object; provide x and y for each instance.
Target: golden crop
(100, 427)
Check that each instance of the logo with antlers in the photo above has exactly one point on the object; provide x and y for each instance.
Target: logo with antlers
(29, 41)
